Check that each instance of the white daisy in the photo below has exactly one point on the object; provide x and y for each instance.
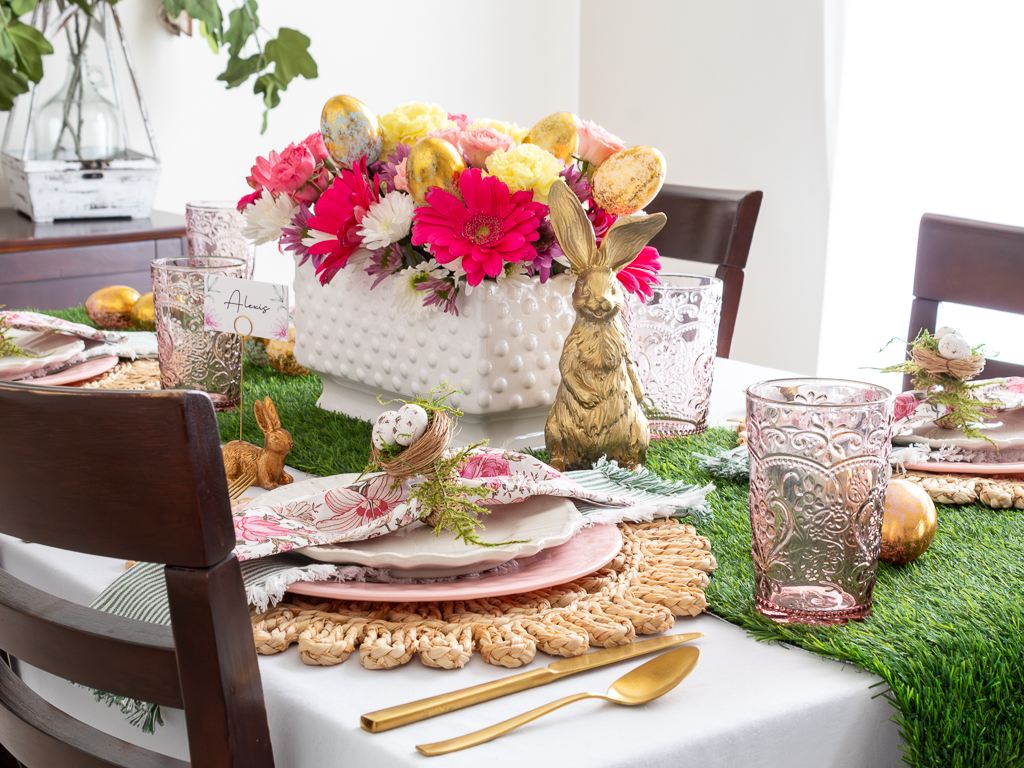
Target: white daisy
(387, 221)
(316, 236)
(266, 216)
(404, 293)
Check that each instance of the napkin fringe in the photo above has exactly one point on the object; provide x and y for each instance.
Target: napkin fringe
(692, 504)
(271, 592)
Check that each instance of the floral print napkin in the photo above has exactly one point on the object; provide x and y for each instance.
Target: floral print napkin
(374, 505)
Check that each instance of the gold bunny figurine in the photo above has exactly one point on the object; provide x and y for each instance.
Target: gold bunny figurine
(265, 465)
(596, 410)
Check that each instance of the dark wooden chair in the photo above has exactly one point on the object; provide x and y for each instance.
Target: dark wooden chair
(130, 475)
(710, 226)
(967, 262)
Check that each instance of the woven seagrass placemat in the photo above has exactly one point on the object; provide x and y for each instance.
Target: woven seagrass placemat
(660, 573)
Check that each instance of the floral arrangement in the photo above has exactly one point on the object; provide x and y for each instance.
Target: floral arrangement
(430, 204)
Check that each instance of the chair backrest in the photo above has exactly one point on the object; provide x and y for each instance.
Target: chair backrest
(133, 475)
(710, 226)
(967, 262)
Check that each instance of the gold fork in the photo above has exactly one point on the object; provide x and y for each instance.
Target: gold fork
(238, 486)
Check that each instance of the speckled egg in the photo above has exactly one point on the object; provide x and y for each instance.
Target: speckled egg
(628, 180)
(412, 424)
(557, 134)
(385, 430)
(433, 162)
(953, 346)
(944, 331)
(350, 130)
(111, 307)
(908, 523)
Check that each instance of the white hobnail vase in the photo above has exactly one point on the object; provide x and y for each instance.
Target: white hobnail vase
(501, 351)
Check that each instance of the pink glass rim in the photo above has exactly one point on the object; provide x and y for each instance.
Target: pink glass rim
(183, 263)
(212, 205)
(862, 386)
(668, 280)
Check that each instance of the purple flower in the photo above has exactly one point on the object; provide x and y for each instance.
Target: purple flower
(441, 293)
(547, 250)
(386, 170)
(291, 236)
(385, 262)
(577, 181)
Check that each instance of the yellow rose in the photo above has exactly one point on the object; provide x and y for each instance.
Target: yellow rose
(509, 129)
(526, 167)
(409, 123)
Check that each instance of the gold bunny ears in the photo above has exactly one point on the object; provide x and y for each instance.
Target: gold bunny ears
(626, 238)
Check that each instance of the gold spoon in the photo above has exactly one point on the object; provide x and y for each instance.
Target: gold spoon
(638, 686)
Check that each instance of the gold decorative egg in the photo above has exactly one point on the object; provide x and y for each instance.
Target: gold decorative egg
(557, 134)
(433, 162)
(143, 316)
(908, 523)
(282, 356)
(111, 307)
(628, 180)
(350, 130)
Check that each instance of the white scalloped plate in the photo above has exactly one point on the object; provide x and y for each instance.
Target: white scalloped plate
(415, 552)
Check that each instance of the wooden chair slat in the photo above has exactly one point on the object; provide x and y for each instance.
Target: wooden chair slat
(95, 649)
(710, 226)
(37, 733)
(967, 262)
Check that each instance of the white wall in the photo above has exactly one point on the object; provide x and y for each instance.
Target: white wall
(733, 93)
(521, 64)
(930, 121)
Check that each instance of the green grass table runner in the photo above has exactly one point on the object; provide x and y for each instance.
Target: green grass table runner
(946, 632)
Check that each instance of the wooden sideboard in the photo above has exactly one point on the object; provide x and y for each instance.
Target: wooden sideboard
(58, 265)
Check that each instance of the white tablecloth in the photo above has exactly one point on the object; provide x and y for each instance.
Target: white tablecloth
(746, 704)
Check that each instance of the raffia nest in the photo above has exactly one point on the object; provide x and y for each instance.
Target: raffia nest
(419, 458)
(964, 369)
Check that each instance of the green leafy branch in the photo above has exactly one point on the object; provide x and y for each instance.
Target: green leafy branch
(8, 347)
(275, 64)
(288, 53)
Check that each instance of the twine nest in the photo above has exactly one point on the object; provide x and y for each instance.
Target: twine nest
(660, 573)
(965, 368)
(419, 458)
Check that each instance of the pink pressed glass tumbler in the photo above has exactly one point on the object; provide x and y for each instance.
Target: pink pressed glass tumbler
(819, 466)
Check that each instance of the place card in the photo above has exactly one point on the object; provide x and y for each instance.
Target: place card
(246, 307)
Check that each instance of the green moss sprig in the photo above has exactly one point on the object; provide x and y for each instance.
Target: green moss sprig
(944, 389)
(7, 346)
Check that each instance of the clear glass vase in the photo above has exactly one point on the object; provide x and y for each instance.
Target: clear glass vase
(79, 123)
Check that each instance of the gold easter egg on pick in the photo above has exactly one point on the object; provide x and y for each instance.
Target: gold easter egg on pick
(557, 134)
(143, 315)
(111, 307)
(628, 180)
(908, 523)
(433, 162)
(281, 355)
(350, 130)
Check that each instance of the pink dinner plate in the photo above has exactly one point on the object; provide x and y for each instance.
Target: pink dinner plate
(967, 468)
(590, 549)
(79, 371)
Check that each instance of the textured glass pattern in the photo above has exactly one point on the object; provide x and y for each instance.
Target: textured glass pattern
(215, 229)
(674, 337)
(191, 357)
(819, 462)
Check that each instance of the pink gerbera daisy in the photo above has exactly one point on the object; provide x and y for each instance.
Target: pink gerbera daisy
(478, 236)
(638, 276)
(338, 213)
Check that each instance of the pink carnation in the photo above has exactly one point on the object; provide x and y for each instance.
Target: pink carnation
(596, 144)
(459, 119)
(401, 182)
(479, 143)
(285, 172)
(485, 465)
(452, 135)
(310, 192)
(315, 144)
